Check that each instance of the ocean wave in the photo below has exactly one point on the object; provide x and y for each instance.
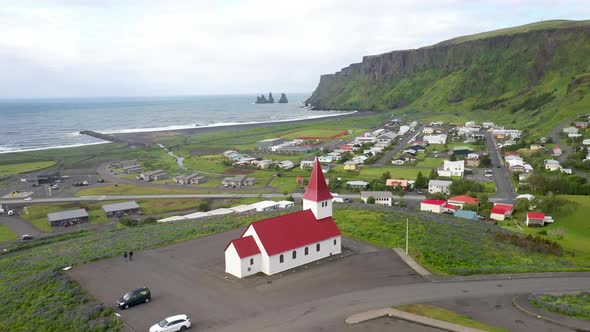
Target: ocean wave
(218, 124)
(4, 149)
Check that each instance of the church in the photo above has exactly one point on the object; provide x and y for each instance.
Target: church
(281, 243)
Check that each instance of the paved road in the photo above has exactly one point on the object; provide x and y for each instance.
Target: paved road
(566, 150)
(504, 188)
(387, 157)
(19, 226)
(329, 311)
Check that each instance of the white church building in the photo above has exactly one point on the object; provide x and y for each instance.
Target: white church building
(281, 243)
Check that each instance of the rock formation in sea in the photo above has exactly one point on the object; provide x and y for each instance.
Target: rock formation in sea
(271, 100)
(261, 100)
(283, 99)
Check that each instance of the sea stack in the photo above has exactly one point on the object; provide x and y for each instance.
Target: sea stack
(271, 100)
(261, 100)
(283, 99)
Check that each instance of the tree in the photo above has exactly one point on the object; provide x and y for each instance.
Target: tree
(453, 157)
(203, 206)
(290, 198)
(385, 176)
(421, 181)
(522, 205)
(470, 207)
(433, 174)
(371, 200)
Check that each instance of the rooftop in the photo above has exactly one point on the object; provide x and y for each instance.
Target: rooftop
(64, 215)
(131, 205)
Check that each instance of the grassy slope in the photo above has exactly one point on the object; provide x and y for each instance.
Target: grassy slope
(11, 169)
(473, 73)
(448, 245)
(6, 234)
(447, 316)
(574, 305)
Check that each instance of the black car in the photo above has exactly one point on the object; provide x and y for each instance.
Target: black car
(136, 296)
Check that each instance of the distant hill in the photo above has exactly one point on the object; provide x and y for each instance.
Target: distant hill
(530, 76)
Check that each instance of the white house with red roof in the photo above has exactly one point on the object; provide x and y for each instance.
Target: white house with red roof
(535, 219)
(281, 243)
(433, 205)
(462, 200)
(501, 211)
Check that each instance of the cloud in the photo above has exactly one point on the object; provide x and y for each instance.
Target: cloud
(93, 48)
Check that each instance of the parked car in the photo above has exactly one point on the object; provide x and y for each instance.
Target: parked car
(85, 183)
(347, 200)
(27, 199)
(136, 296)
(100, 180)
(26, 237)
(172, 323)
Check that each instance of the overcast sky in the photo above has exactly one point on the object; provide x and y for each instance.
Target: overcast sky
(80, 48)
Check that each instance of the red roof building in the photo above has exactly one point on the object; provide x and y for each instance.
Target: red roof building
(434, 201)
(462, 200)
(280, 243)
(433, 205)
(535, 219)
(501, 211)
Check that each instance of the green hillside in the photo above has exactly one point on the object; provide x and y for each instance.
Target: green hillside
(531, 76)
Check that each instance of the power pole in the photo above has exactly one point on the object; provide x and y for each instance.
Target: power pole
(407, 233)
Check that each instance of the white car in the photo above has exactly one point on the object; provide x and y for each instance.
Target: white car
(27, 199)
(172, 323)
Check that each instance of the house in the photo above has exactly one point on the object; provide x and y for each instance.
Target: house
(472, 160)
(381, 197)
(286, 164)
(435, 139)
(67, 218)
(439, 186)
(285, 204)
(487, 124)
(262, 164)
(326, 159)
(360, 159)
(570, 130)
(581, 125)
(574, 135)
(433, 205)
(461, 151)
(281, 243)
(132, 169)
(194, 178)
(264, 206)
(552, 165)
(465, 214)
(238, 181)
(351, 165)
(357, 184)
(567, 170)
(397, 182)
(267, 143)
(452, 168)
(535, 147)
(501, 211)
(120, 209)
(462, 200)
(535, 219)
(399, 161)
(154, 175)
(586, 142)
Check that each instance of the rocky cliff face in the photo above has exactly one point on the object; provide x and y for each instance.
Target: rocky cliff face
(448, 73)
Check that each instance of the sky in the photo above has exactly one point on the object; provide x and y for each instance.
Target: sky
(89, 48)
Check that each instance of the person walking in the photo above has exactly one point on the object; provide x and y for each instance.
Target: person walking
(130, 255)
(125, 255)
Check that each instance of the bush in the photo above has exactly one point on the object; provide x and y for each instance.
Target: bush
(529, 243)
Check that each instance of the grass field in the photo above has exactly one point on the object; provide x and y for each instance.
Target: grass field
(447, 316)
(129, 189)
(6, 234)
(430, 162)
(573, 305)
(572, 231)
(320, 133)
(38, 213)
(11, 169)
(448, 245)
(155, 206)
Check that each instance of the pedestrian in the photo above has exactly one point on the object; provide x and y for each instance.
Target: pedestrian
(130, 255)
(125, 255)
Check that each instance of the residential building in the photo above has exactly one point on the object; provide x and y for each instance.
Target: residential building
(357, 184)
(154, 175)
(581, 125)
(381, 197)
(262, 164)
(435, 139)
(535, 147)
(462, 200)
(306, 164)
(281, 243)
(586, 142)
(397, 183)
(433, 205)
(570, 130)
(461, 151)
(488, 124)
(501, 211)
(439, 186)
(535, 219)
(67, 218)
(351, 165)
(120, 209)
(567, 170)
(399, 161)
(452, 168)
(286, 164)
(428, 130)
(286, 204)
(472, 160)
(238, 181)
(552, 165)
(194, 178)
(132, 169)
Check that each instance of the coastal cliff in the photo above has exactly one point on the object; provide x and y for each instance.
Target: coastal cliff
(498, 69)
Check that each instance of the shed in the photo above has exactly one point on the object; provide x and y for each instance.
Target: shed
(67, 218)
(120, 209)
(465, 214)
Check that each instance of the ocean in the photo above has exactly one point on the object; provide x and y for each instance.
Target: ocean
(34, 124)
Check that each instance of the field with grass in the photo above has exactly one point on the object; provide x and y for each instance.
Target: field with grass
(11, 169)
(571, 230)
(35, 292)
(447, 316)
(155, 206)
(310, 133)
(37, 213)
(573, 305)
(448, 245)
(6, 234)
(130, 189)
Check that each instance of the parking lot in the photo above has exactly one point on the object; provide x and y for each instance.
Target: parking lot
(188, 278)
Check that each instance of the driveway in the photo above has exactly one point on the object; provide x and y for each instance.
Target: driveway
(189, 278)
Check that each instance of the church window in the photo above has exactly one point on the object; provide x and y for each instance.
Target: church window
(317, 247)
(294, 254)
(281, 258)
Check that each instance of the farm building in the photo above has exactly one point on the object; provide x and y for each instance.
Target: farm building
(120, 209)
(67, 218)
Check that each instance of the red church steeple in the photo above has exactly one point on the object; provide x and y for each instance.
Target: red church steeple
(317, 189)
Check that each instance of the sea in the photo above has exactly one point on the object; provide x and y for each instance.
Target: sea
(36, 124)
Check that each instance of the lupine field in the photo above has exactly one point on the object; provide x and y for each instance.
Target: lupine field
(574, 305)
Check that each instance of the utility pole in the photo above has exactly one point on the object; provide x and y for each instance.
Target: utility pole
(407, 233)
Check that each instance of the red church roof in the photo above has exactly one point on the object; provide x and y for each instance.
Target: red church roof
(434, 201)
(294, 230)
(246, 246)
(317, 189)
(464, 199)
(536, 215)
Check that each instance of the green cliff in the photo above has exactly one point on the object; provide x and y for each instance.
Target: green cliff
(532, 76)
